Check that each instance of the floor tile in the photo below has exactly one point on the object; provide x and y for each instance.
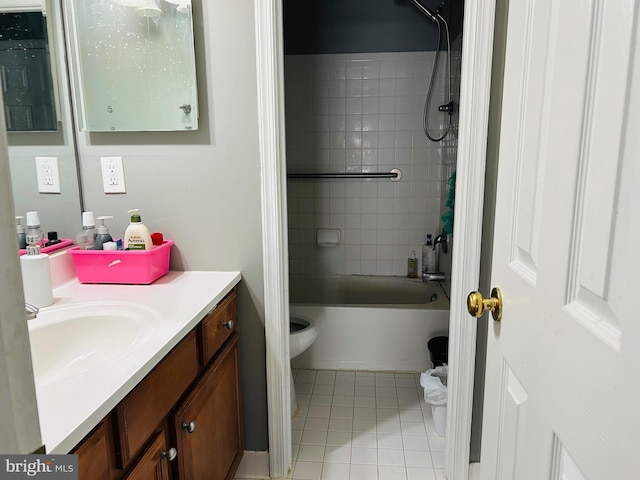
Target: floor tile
(322, 400)
(335, 471)
(365, 390)
(386, 472)
(340, 424)
(414, 428)
(436, 444)
(438, 459)
(344, 390)
(364, 426)
(337, 454)
(417, 458)
(361, 439)
(390, 456)
(362, 413)
(342, 400)
(341, 412)
(339, 438)
(311, 453)
(363, 472)
(314, 437)
(390, 441)
(367, 456)
(362, 401)
(420, 473)
(320, 411)
(316, 423)
(322, 389)
(307, 470)
(414, 442)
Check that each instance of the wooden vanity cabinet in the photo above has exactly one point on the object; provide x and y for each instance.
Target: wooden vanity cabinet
(183, 420)
(208, 424)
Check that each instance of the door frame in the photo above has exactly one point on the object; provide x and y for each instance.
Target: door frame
(475, 84)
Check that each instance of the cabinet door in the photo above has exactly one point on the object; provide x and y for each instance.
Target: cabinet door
(154, 463)
(93, 454)
(208, 423)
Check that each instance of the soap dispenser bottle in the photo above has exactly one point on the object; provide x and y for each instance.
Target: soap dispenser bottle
(412, 265)
(103, 234)
(136, 236)
(33, 227)
(87, 237)
(36, 275)
(22, 236)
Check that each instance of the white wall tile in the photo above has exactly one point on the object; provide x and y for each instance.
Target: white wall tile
(363, 113)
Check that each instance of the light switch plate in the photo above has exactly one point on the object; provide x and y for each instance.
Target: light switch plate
(48, 175)
(113, 175)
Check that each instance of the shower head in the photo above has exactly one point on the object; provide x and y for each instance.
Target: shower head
(431, 14)
(426, 10)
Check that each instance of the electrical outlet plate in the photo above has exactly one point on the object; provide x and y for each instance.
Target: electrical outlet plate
(48, 175)
(113, 175)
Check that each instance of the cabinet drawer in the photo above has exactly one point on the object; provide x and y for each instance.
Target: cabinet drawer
(149, 403)
(218, 326)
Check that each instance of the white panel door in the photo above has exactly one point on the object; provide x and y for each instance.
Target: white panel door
(562, 397)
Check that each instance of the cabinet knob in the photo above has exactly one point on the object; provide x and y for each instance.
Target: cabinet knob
(228, 324)
(189, 427)
(170, 454)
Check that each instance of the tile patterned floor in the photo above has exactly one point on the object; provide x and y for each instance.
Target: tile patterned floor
(363, 426)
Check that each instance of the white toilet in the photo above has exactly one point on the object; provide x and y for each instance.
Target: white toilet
(302, 333)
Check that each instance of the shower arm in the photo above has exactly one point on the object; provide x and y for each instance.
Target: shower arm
(428, 13)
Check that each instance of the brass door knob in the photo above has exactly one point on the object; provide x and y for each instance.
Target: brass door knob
(477, 305)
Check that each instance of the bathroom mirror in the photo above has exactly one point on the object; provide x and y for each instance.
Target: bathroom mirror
(133, 64)
(59, 212)
(25, 69)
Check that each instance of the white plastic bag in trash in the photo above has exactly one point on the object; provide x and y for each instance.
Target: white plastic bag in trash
(435, 391)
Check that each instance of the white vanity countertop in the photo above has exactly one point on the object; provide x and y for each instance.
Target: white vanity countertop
(69, 409)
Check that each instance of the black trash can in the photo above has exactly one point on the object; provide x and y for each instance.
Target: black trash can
(438, 350)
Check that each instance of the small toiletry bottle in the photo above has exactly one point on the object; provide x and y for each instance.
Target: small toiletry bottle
(136, 236)
(412, 265)
(36, 275)
(427, 252)
(33, 227)
(87, 237)
(22, 236)
(103, 234)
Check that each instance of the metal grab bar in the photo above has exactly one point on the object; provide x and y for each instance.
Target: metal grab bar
(394, 175)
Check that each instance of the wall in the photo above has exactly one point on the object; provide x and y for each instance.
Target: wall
(202, 188)
(362, 113)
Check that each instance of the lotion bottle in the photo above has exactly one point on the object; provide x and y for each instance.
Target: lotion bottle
(136, 236)
(412, 265)
(103, 234)
(36, 275)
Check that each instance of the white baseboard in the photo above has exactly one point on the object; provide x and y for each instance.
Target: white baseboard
(474, 471)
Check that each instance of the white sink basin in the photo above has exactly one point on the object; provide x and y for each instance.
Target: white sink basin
(69, 341)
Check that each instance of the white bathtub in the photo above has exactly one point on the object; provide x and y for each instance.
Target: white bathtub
(368, 322)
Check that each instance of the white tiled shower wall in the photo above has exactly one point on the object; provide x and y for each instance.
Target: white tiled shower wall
(363, 113)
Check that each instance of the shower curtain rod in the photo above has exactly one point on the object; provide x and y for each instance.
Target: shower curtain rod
(394, 175)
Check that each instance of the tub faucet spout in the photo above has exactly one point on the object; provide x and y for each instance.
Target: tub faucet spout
(433, 277)
(443, 240)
